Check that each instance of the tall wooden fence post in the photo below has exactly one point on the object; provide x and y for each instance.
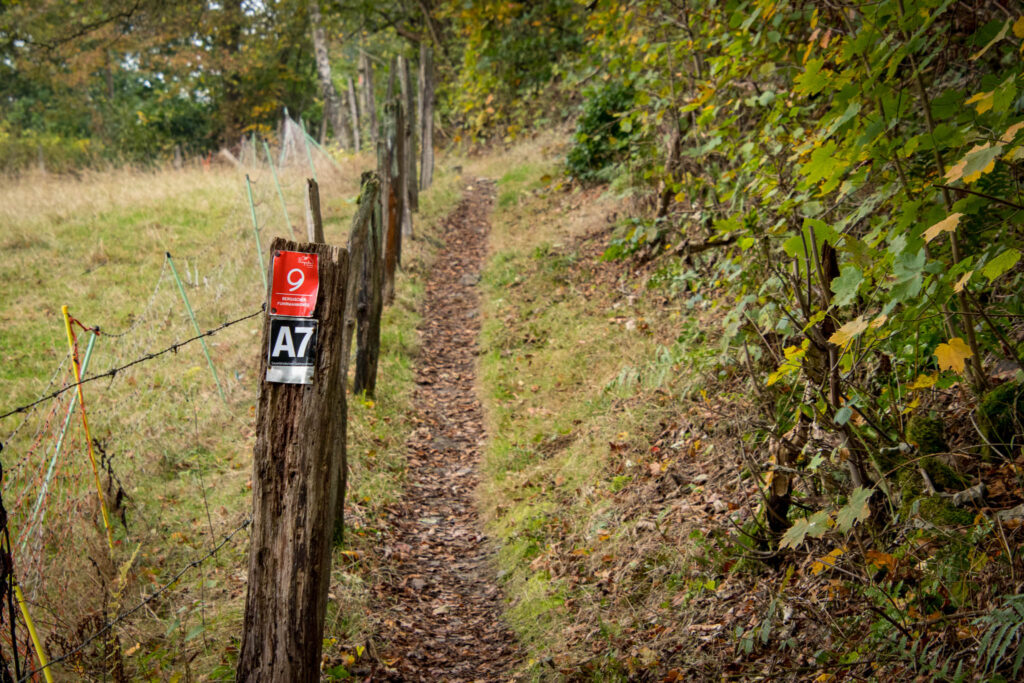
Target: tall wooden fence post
(368, 310)
(392, 200)
(412, 195)
(295, 488)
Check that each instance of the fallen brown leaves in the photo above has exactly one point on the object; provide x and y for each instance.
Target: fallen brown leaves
(437, 607)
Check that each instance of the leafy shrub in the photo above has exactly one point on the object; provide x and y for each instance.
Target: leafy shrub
(601, 138)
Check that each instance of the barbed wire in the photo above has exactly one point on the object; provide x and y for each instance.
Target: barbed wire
(148, 599)
(142, 316)
(53, 378)
(148, 357)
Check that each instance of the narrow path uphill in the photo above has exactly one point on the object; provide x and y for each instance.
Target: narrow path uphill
(438, 605)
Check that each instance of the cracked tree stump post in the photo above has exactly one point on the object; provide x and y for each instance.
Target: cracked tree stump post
(392, 200)
(295, 494)
(368, 310)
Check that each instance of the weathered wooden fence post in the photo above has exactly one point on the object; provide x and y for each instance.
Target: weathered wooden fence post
(295, 478)
(359, 243)
(314, 220)
(369, 308)
(391, 201)
(412, 195)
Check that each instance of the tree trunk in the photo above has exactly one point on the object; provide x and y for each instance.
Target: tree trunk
(369, 101)
(426, 106)
(353, 106)
(334, 113)
(295, 493)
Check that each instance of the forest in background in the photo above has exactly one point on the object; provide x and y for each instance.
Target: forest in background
(836, 185)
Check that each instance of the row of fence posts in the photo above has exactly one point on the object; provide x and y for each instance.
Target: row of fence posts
(417, 105)
(300, 459)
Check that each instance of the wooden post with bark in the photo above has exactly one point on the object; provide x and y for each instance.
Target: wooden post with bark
(360, 241)
(426, 107)
(295, 494)
(369, 305)
(412, 195)
(391, 201)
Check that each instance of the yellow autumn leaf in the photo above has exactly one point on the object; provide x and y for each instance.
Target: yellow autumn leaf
(1011, 133)
(1018, 27)
(879, 321)
(956, 171)
(984, 100)
(974, 176)
(952, 354)
(912, 406)
(947, 224)
(824, 678)
(827, 562)
(959, 286)
(925, 381)
(845, 334)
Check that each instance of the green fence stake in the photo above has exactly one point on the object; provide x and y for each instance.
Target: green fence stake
(309, 155)
(60, 443)
(277, 184)
(323, 151)
(256, 232)
(188, 307)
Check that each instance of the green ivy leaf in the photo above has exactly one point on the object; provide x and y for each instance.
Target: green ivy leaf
(855, 510)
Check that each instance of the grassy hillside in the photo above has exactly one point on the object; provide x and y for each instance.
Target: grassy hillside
(174, 458)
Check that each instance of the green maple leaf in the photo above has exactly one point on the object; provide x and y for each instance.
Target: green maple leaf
(845, 286)
(855, 510)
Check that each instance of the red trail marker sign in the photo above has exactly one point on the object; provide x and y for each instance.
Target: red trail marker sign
(295, 284)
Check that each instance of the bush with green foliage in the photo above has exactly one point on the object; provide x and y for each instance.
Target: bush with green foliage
(602, 136)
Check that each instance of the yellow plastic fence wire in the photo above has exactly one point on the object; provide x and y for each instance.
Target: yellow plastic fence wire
(85, 425)
(43, 664)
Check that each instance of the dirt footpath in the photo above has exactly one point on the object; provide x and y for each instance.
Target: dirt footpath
(438, 604)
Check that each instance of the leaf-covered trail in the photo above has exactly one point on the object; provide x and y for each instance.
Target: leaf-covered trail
(438, 606)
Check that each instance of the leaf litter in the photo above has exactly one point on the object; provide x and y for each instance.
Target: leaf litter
(436, 602)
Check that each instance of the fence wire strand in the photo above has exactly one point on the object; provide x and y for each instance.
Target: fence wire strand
(173, 348)
(145, 601)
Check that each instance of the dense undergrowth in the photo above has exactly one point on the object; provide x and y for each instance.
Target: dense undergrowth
(815, 264)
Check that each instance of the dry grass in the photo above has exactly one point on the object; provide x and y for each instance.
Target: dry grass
(180, 455)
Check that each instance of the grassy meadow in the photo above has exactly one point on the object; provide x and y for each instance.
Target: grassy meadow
(175, 459)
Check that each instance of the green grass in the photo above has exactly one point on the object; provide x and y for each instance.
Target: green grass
(182, 455)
